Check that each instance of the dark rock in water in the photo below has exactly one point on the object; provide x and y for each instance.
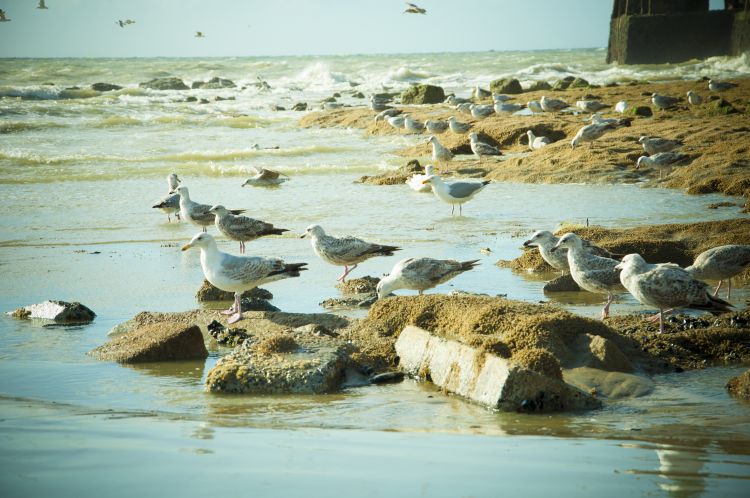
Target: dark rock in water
(163, 341)
(329, 99)
(423, 94)
(220, 99)
(643, 111)
(739, 386)
(105, 87)
(387, 378)
(249, 304)
(277, 108)
(58, 311)
(358, 95)
(563, 283)
(214, 83)
(564, 83)
(208, 292)
(337, 95)
(538, 86)
(204, 101)
(510, 86)
(170, 83)
(191, 99)
(300, 106)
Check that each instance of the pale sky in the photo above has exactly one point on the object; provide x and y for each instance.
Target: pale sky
(86, 28)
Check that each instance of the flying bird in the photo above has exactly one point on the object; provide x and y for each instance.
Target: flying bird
(414, 9)
(2, 16)
(42, 5)
(199, 34)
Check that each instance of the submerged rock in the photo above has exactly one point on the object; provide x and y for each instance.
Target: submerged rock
(58, 311)
(105, 87)
(387, 378)
(423, 94)
(739, 386)
(162, 341)
(506, 85)
(170, 83)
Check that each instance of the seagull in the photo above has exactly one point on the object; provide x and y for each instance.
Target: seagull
(720, 86)
(413, 125)
(453, 100)
(415, 181)
(379, 105)
(500, 97)
(2, 16)
(663, 101)
(591, 132)
(414, 9)
(265, 178)
(170, 203)
(345, 251)
(621, 106)
(667, 286)
(42, 5)
(537, 142)
(420, 274)
(239, 274)
(534, 106)
(199, 34)
(396, 121)
(694, 98)
(654, 145)
(464, 107)
(481, 111)
(195, 213)
(507, 107)
(455, 192)
(457, 126)
(616, 122)
(242, 228)
(440, 153)
(552, 105)
(482, 149)
(558, 259)
(387, 113)
(435, 126)
(592, 273)
(481, 93)
(124, 23)
(721, 263)
(661, 161)
(590, 105)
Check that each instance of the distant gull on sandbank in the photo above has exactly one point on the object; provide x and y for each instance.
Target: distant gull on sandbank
(720, 86)
(654, 145)
(663, 101)
(457, 126)
(694, 98)
(481, 149)
(552, 105)
(435, 127)
(440, 154)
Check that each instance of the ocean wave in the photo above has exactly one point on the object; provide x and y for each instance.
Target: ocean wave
(407, 74)
(8, 127)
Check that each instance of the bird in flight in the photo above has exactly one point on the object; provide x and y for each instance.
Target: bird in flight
(414, 9)
(125, 22)
(42, 5)
(199, 34)
(2, 16)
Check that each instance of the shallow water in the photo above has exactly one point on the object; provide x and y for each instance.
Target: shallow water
(78, 176)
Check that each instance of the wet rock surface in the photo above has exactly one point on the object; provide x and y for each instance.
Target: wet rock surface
(208, 292)
(739, 386)
(214, 83)
(357, 293)
(506, 85)
(105, 87)
(423, 94)
(563, 283)
(170, 83)
(162, 341)
(58, 311)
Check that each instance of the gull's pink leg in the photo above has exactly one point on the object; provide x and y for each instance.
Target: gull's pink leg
(605, 310)
(238, 306)
(661, 321)
(729, 292)
(718, 287)
(342, 277)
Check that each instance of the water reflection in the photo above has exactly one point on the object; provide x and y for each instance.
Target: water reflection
(680, 470)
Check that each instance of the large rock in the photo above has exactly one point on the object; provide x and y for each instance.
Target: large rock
(605, 355)
(214, 83)
(423, 94)
(563, 283)
(739, 386)
(58, 311)
(208, 292)
(485, 378)
(170, 83)
(539, 86)
(564, 83)
(506, 85)
(162, 341)
(105, 87)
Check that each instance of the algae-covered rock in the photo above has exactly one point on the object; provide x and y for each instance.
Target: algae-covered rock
(105, 87)
(539, 86)
(739, 386)
(170, 83)
(57, 311)
(208, 292)
(607, 356)
(300, 106)
(362, 285)
(563, 283)
(540, 361)
(643, 111)
(506, 85)
(163, 341)
(564, 83)
(579, 83)
(423, 94)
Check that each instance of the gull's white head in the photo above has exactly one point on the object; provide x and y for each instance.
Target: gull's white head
(530, 134)
(183, 191)
(429, 170)
(630, 260)
(313, 231)
(642, 139)
(173, 180)
(642, 160)
(384, 287)
(576, 140)
(219, 210)
(452, 119)
(569, 240)
(473, 136)
(540, 238)
(431, 139)
(202, 241)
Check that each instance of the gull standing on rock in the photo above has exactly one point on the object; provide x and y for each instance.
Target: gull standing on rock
(413, 125)
(457, 126)
(590, 105)
(591, 132)
(721, 263)
(345, 251)
(170, 203)
(592, 273)
(552, 105)
(440, 154)
(239, 274)
(195, 213)
(481, 111)
(662, 161)
(265, 178)
(481, 149)
(663, 101)
(720, 86)
(415, 181)
(455, 192)
(694, 98)
(242, 228)
(667, 286)
(420, 274)
(654, 145)
(435, 127)
(537, 142)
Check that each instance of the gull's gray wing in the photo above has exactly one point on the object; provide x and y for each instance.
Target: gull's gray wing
(461, 190)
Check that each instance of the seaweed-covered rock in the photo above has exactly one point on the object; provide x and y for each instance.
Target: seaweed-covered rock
(214, 84)
(579, 83)
(162, 341)
(208, 292)
(105, 87)
(539, 86)
(564, 83)
(563, 283)
(643, 111)
(423, 94)
(300, 106)
(58, 311)
(170, 83)
(739, 386)
(506, 85)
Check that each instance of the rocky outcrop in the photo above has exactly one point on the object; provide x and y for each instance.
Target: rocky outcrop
(214, 83)
(57, 311)
(563, 283)
(570, 82)
(506, 85)
(170, 83)
(739, 386)
(423, 94)
(208, 292)
(105, 87)
(161, 341)
(300, 106)
(539, 86)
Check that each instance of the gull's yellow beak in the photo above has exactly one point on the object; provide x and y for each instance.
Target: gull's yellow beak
(186, 247)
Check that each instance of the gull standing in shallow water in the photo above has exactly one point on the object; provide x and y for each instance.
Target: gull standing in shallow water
(440, 154)
(455, 192)
(242, 228)
(592, 273)
(345, 251)
(667, 286)
(415, 181)
(721, 263)
(195, 213)
(239, 274)
(170, 203)
(420, 274)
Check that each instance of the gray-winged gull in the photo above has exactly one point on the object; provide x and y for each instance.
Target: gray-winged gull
(265, 177)
(720, 86)
(420, 274)
(455, 192)
(590, 105)
(591, 132)
(195, 213)
(552, 105)
(242, 228)
(507, 107)
(534, 106)
(654, 145)
(481, 111)
(694, 98)
(721, 263)
(545, 240)
(481, 149)
(663, 161)
(413, 125)
(440, 154)
(435, 127)
(663, 101)
(170, 203)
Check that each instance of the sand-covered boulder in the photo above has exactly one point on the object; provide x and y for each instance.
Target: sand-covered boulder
(169, 83)
(423, 94)
(105, 87)
(162, 341)
(57, 311)
(739, 386)
(506, 85)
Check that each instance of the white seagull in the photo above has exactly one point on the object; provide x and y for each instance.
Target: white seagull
(420, 274)
(591, 132)
(537, 142)
(195, 213)
(435, 127)
(662, 161)
(455, 192)
(481, 111)
(720, 86)
(457, 126)
(590, 105)
(552, 105)
(440, 154)
(654, 145)
(170, 203)
(265, 178)
(721, 263)
(415, 181)
(481, 149)
(694, 98)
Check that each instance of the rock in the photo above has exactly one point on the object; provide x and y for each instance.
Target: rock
(423, 94)
(277, 108)
(721, 106)
(58, 311)
(105, 87)
(350, 301)
(288, 363)
(642, 110)
(358, 95)
(540, 361)
(506, 85)
(170, 83)
(336, 95)
(538, 86)
(203, 101)
(363, 285)
(329, 99)
(563, 283)
(300, 106)
(739, 386)
(387, 378)
(208, 292)
(607, 356)
(564, 83)
(214, 83)
(316, 329)
(192, 98)
(613, 385)
(163, 341)
(219, 98)
(485, 378)
(579, 83)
